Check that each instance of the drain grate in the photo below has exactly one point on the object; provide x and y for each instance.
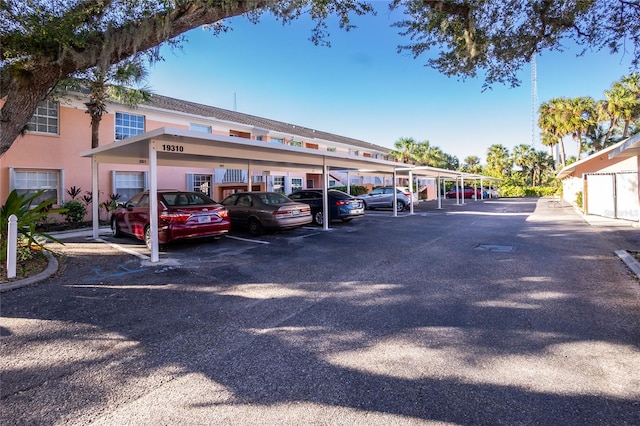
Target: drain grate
(495, 247)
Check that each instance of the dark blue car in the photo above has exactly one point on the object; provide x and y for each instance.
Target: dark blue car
(342, 206)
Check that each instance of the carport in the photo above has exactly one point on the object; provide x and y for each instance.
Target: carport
(178, 147)
(443, 175)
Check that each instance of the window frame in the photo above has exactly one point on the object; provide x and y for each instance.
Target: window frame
(127, 129)
(194, 178)
(114, 183)
(13, 171)
(34, 125)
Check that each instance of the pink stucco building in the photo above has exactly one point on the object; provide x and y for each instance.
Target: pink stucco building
(48, 155)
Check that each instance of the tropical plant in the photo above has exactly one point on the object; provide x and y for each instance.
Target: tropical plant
(75, 212)
(579, 114)
(472, 165)
(122, 82)
(407, 150)
(110, 204)
(553, 126)
(74, 192)
(433, 156)
(28, 216)
(498, 161)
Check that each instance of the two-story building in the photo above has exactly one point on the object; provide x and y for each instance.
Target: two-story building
(48, 155)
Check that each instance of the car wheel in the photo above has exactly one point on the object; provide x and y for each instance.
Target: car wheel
(147, 239)
(115, 230)
(255, 227)
(400, 206)
(318, 218)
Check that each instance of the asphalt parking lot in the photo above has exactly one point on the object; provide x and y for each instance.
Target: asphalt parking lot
(494, 312)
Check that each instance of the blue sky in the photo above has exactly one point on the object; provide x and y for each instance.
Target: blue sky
(362, 88)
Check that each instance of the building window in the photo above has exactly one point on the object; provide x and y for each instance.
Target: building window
(199, 183)
(295, 143)
(199, 128)
(32, 181)
(277, 140)
(278, 184)
(331, 148)
(128, 184)
(128, 125)
(239, 134)
(233, 176)
(332, 183)
(45, 119)
(296, 184)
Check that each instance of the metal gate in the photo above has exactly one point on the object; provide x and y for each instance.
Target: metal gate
(613, 195)
(627, 196)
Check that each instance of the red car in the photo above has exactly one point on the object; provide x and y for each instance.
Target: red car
(181, 215)
(468, 193)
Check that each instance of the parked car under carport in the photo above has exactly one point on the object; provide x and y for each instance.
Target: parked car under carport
(260, 211)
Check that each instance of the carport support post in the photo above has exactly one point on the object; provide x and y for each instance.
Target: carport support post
(153, 200)
(439, 191)
(348, 184)
(411, 192)
(95, 204)
(395, 193)
(325, 195)
(249, 187)
(462, 189)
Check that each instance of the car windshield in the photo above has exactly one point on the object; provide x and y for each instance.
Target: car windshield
(339, 194)
(176, 199)
(273, 198)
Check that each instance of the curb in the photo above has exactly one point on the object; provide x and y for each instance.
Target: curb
(630, 261)
(51, 269)
(53, 265)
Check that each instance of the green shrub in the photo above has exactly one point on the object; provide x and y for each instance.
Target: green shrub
(512, 191)
(515, 190)
(75, 211)
(579, 199)
(355, 190)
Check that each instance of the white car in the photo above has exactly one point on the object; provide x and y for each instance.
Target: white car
(491, 192)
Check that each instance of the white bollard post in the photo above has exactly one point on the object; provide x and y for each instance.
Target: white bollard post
(12, 244)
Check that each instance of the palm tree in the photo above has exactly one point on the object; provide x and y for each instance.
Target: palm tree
(622, 104)
(631, 110)
(121, 82)
(407, 150)
(553, 125)
(579, 115)
(472, 165)
(429, 155)
(523, 157)
(542, 166)
(498, 161)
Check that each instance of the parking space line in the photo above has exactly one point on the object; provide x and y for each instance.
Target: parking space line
(248, 240)
(124, 249)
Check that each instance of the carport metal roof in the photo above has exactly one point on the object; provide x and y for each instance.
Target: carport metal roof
(178, 147)
(186, 148)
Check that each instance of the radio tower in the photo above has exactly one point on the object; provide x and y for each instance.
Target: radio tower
(534, 103)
